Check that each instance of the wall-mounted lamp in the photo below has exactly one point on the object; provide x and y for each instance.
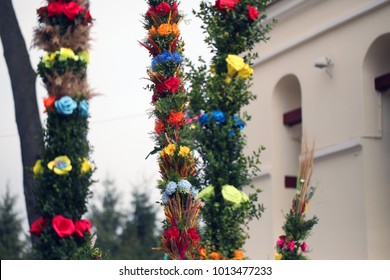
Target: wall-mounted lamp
(323, 63)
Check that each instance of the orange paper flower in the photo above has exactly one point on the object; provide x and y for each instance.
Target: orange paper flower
(215, 256)
(164, 29)
(175, 118)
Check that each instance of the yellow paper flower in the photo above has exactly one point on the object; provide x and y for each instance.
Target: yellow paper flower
(228, 79)
(234, 64)
(231, 194)
(206, 193)
(278, 256)
(170, 149)
(38, 168)
(66, 53)
(48, 59)
(184, 151)
(245, 72)
(86, 166)
(84, 56)
(60, 165)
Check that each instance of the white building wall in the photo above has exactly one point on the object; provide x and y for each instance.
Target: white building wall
(353, 161)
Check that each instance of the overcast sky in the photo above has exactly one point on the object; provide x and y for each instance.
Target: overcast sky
(119, 124)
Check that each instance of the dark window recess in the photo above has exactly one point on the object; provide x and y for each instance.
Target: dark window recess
(290, 182)
(382, 83)
(293, 117)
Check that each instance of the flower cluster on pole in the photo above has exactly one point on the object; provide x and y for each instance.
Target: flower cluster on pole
(64, 171)
(292, 245)
(218, 94)
(173, 144)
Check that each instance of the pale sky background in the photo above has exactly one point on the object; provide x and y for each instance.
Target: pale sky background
(119, 123)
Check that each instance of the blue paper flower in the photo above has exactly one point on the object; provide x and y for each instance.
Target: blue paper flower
(165, 57)
(171, 187)
(84, 108)
(65, 105)
(218, 116)
(239, 122)
(203, 119)
(164, 197)
(194, 192)
(184, 185)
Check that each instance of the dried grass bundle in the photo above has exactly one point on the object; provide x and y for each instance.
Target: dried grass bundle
(50, 38)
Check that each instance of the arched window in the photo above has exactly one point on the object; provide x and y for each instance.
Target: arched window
(287, 129)
(376, 85)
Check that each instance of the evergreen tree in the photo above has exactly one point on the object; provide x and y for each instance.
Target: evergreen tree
(11, 245)
(139, 235)
(108, 221)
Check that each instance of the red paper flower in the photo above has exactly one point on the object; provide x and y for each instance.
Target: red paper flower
(48, 102)
(159, 126)
(253, 13)
(160, 87)
(163, 8)
(150, 11)
(291, 245)
(54, 9)
(175, 7)
(280, 241)
(172, 233)
(82, 226)
(226, 4)
(193, 234)
(37, 226)
(304, 247)
(172, 84)
(63, 226)
(175, 118)
(71, 10)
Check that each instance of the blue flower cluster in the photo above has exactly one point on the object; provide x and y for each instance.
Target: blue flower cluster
(165, 57)
(217, 115)
(182, 186)
(66, 105)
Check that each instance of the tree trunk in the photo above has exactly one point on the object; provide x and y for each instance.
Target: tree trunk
(23, 79)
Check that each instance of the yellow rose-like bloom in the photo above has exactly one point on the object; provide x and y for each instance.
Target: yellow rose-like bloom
(234, 64)
(38, 168)
(231, 194)
(245, 72)
(48, 59)
(170, 149)
(84, 56)
(175, 29)
(60, 165)
(66, 53)
(228, 79)
(184, 151)
(86, 166)
(164, 29)
(278, 256)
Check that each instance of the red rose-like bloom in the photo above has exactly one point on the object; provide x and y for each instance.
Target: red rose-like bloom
(82, 226)
(291, 245)
(172, 84)
(63, 226)
(150, 11)
(280, 241)
(175, 7)
(163, 8)
(71, 10)
(172, 233)
(37, 226)
(48, 102)
(304, 247)
(54, 9)
(160, 87)
(159, 126)
(193, 234)
(253, 13)
(175, 118)
(226, 4)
